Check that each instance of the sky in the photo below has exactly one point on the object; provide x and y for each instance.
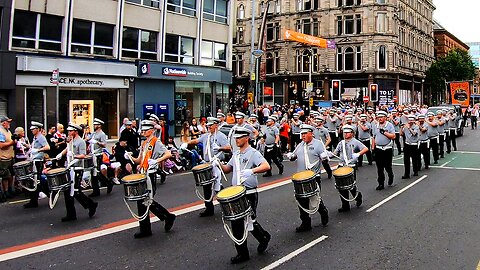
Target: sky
(459, 17)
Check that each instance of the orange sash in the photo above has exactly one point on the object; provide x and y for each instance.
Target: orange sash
(147, 152)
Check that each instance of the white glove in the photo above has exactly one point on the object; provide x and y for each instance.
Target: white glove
(289, 155)
(152, 162)
(215, 148)
(355, 156)
(330, 154)
(324, 155)
(59, 156)
(184, 146)
(93, 141)
(246, 173)
(126, 155)
(216, 163)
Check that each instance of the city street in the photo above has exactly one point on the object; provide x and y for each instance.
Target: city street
(430, 221)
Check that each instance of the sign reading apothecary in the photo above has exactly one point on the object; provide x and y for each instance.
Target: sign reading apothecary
(74, 81)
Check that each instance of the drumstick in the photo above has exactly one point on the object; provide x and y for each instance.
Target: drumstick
(130, 157)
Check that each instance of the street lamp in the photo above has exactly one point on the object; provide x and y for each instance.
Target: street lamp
(257, 54)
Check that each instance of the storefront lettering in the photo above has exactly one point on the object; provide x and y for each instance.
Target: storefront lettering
(179, 72)
(78, 82)
(193, 73)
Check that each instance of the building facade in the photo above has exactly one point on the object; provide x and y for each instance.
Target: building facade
(7, 61)
(446, 41)
(97, 47)
(387, 42)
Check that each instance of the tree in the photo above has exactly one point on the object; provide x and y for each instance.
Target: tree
(457, 65)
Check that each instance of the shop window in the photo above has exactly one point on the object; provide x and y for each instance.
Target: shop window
(215, 10)
(187, 7)
(148, 3)
(139, 44)
(241, 12)
(35, 105)
(179, 49)
(237, 66)
(37, 31)
(92, 38)
(213, 54)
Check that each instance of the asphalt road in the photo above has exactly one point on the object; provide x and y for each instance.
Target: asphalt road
(428, 222)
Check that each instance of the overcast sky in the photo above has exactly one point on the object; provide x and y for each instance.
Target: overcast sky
(459, 17)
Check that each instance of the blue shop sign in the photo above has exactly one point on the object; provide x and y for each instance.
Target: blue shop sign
(177, 72)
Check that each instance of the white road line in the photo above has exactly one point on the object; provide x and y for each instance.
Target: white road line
(290, 256)
(449, 168)
(395, 194)
(445, 164)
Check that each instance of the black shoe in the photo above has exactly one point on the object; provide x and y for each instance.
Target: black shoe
(206, 213)
(267, 175)
(280, 170)
(163, 177)
(427, 167)
(109, 189)
(442, 156)
(329, 175)
(380, 187)
(403, 177)
(239, 259)
(30, 205)
(359, 199)
(303, 228)
(262, 246)
(142, 234)
(67, 218)
(92, 209)
(169, 222)
(390, 181)
(370, 163)
(324, 216)
(94, 194)
(343, 210)
(399, 153)
(415, 174)
(436, 162)
(448, 152)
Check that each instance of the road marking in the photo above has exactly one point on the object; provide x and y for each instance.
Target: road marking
(290, 256)
(444, 164)
(396, 194)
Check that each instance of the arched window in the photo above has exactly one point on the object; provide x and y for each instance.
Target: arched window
(241, 12)
(382, 57)
(349, 59)
(339, 59)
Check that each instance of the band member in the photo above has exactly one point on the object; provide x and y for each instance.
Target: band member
(349, 149)
(240, 122)
(254, 122)
(432, 133)
(158, 128)
(395, 120)
(98, 142)
(382, 143)
(412, 133)
(364, 130)
(37, 151)
(331, 125)
(452, 131)
(321, 133)
(424, 142)
(295, 127)
(245, 164)
(272, 151)
(221, 118)
(441, 132)
(308, 155)
(76, 149)
(152, 152)
(214, 143)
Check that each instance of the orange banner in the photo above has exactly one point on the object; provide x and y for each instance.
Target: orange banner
(460, 93)
(307, 39)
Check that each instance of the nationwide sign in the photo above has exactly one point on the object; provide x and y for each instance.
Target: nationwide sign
(178, 72)
(309, 40)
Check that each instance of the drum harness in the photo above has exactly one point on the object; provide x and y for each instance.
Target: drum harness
(317, 196)
(33, 177)
(347, 163)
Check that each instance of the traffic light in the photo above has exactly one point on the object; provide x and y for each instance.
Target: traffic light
(336, 90)
(373, 92)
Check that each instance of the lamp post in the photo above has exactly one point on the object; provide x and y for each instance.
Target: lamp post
(256, 54)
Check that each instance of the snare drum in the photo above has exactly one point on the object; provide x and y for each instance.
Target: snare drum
(234, 203)
(86, 162)
(304, 184)
(344, 178)
(203, 174)
(135, 186)
(58, 179)
(23, 169)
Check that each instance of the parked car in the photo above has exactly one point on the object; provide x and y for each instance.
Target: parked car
(458, 110)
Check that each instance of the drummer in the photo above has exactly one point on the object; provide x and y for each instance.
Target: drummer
(349, 149)
(98, 142)
(321, 133)
(37, 151)
(214, 144)
(76, 149)
(245, 164)
(152, 152)
(308, 154)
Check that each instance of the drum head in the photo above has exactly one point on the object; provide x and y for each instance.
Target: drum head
(300, 176)
(22, 163)
(56, 171)
(202, 167)
(342, 171)
(230, 192)
(133, 177)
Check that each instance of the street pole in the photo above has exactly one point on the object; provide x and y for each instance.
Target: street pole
(310, 66)
(253, 61)
(257, 90)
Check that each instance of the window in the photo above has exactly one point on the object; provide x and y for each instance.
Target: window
(215, 10)
(381, 22)
(308, 5)
(303, 60)
(148, 3)
(92, 38)
(237, 67)
(277, 7)
(213, 54)
(179, 49)
(359, 58)
(358, 24)
(308, 26)
(382, 58)
(37, 31)
(186, 7)
(339, 59)
(241, 12)
(273, 31)
(349, 59)
(349, 24)
(348, 3)
(139, 44)
(239, 37)
(381, 1)
(272, 63)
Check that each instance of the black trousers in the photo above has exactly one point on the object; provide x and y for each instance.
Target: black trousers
(305, 203)
(271, 154)
(434, 147)
(425, 151)
(451, 140)
(156, 208)
(397, 142)
(473, 119)
(411, 152)
(383, 159)
(344, 193)
(42, 186)
(295, 139)
(207, 193)
(85, 201)
(283, 143)
(238, 227)
(334, 138)
(99, 177)
(327, 167)
(368, 154)
(441, 145)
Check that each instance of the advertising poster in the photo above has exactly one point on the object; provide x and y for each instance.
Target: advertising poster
(81, 112)
(460, 93)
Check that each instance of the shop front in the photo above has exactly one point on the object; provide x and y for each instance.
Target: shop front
(180, 92)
